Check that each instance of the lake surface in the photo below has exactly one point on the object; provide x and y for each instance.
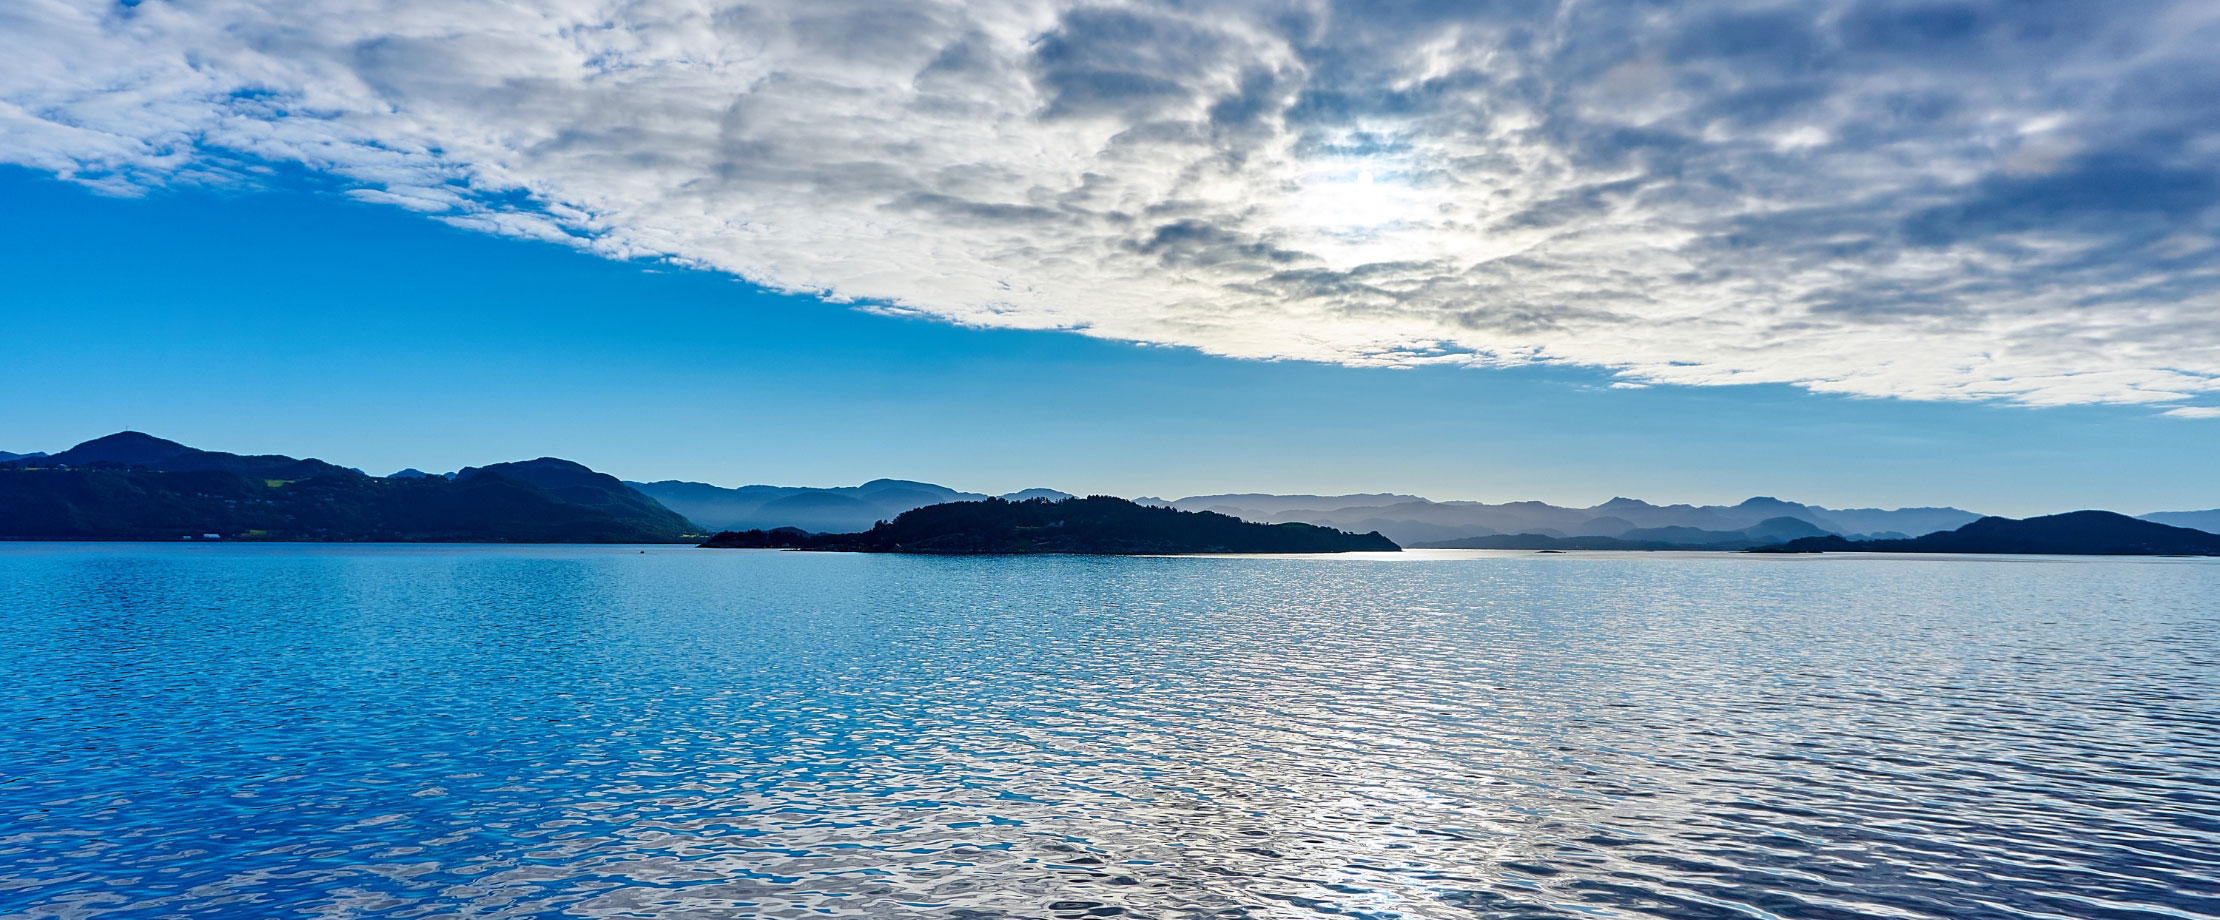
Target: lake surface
(484, 732)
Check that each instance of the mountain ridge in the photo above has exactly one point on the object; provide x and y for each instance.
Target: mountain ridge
(1425, 521)
(134, 486)
(1769, 532)
(138, 449)
(836, 509)
(2075, 533)
(1407, 519)
(2207, 521)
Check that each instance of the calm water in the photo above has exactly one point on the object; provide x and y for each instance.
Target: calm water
(303, 731)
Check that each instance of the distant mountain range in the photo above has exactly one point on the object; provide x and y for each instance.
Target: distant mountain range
(1414, 521)
(1100, 525)
(136, 486)
(2080, 533)
(1768, 532)
(846, 509)
(2207, 521)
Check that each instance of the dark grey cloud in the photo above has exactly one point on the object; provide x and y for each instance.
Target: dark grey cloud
(1123, 61)
(2121, 195)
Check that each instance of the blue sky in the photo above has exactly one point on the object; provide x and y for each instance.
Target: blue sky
(282, 317)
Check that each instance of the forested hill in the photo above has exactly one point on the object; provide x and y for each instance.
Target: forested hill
(133, 486)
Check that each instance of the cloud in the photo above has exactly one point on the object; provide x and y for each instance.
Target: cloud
(1923, 200)
(2194, 412)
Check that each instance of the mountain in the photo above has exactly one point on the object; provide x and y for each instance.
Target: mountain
(1264, 504)
(574, 484)
(1768, 532)
(1401, 530)
(1411, 520)
(1097, 525)
(2077, 533)
(6, 456)
(414, 473)
(138, 487)
(1536, 541)
(1875, 522)
(2207, 521)
(1782, 528)
(1407, 519)
(141, 504)
(131, 448)
(837, 510)
(1050, 494)
(145, 451)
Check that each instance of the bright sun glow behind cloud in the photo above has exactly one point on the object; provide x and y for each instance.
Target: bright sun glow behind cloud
(1348, 218)
(1979, 201)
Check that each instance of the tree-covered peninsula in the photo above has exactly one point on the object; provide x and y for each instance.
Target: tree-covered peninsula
(1096, 525)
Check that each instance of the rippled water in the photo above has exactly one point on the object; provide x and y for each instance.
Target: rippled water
(303, 731)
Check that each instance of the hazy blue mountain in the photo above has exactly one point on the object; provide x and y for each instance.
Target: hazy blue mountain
(135, 486)
(1260, 503)
(846, 509)
(2076, 533)
(1748, 513)
(1412, 520)
(1875, 521)
(1419, 520)
(2207, 521)
(1771, 531)
(1537, 541)
(5, 456)
(1405, 532)
(1682, 536)
(414, 473)
(1027, 494)
(1422, 519)
(1098, 524)
(1783, 528)
(824, 511)
(1605, 526)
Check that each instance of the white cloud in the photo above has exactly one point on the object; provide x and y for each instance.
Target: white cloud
(2194, 412)
(1873, 199)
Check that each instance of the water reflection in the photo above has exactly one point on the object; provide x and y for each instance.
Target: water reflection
(485, 732)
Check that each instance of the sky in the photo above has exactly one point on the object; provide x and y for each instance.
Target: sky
(1850, 253)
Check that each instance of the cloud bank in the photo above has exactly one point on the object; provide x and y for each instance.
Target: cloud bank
(1929, 200)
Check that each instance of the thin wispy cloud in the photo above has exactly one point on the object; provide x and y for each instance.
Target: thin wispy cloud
(1984, 200)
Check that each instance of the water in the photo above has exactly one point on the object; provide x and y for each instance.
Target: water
(305, 731)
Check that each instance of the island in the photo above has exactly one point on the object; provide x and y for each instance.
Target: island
(2075, 533)
(1099, 525)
